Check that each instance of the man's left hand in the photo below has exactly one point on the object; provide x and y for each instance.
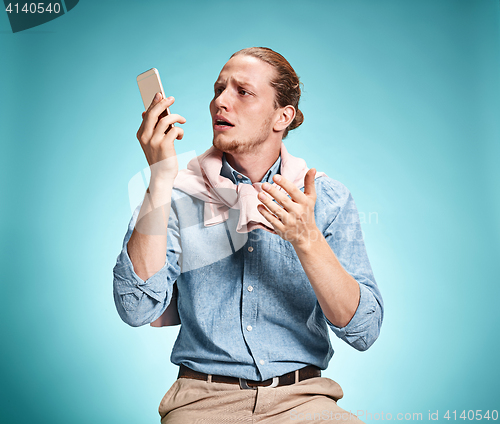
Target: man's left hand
(291, 217)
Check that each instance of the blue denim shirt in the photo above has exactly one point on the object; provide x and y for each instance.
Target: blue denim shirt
(246, 306)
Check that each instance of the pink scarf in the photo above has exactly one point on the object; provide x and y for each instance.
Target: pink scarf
(202, 180)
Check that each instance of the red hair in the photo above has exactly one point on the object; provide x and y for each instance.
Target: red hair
(286, 82)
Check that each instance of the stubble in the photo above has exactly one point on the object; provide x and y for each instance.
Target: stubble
(245, 144)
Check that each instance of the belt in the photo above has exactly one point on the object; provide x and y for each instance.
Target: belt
(292, 377)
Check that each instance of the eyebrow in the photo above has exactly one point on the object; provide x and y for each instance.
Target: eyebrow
(240, 83)
(245, 83)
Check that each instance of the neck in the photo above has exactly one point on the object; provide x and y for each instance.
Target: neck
(254, 164)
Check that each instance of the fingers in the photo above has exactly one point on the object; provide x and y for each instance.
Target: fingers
(273, 207)
(143, 136)
(157, 135)
(166, 121)
(176, 133)
(294, 192)
(156, 109)
(139, 131)
(296, 217)
(156, 99)
(280, 196)
(165, 143)
(309, 188)
(275, 222)
(151, 116)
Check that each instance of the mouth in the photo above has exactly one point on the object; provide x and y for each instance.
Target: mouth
(222, 124)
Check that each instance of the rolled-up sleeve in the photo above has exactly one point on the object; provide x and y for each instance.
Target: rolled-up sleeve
(345, 237)
(141, 302)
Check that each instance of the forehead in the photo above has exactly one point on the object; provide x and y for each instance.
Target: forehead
(247, 69)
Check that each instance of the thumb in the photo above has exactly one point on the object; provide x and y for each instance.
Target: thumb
(309, 188)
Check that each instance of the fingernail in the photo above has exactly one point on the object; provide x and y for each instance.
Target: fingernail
(170, 98)
(266, 186)
(277, 178)
(157, 96)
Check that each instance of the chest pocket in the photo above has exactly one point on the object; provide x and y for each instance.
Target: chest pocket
(287, 259)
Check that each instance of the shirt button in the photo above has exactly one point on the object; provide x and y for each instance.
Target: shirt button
(262, 362)
(250, 248)
(249, 328)
(250, 288)
(239, 176)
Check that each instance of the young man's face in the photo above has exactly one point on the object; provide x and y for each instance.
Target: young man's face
(245, 99)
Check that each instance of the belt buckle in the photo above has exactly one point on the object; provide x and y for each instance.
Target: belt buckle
(244, 385)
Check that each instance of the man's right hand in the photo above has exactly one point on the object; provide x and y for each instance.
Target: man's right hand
(147, 246)
(157, 139)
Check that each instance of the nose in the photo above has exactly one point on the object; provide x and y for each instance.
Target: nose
(223, 101)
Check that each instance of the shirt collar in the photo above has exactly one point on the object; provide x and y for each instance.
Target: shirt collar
(237, 177)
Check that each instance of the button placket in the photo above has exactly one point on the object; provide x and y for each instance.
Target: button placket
(249, 296)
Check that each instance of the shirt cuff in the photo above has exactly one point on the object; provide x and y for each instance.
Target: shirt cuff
(127, 281)
(356, 331)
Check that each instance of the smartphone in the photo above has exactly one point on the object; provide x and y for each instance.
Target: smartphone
(149, 84)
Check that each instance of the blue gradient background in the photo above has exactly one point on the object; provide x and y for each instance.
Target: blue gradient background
(401, 104)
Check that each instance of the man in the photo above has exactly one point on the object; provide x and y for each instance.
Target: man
(265, 255)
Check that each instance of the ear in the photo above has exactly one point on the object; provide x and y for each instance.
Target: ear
(285, 118)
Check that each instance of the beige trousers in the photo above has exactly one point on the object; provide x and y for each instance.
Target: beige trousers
(195, 401)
